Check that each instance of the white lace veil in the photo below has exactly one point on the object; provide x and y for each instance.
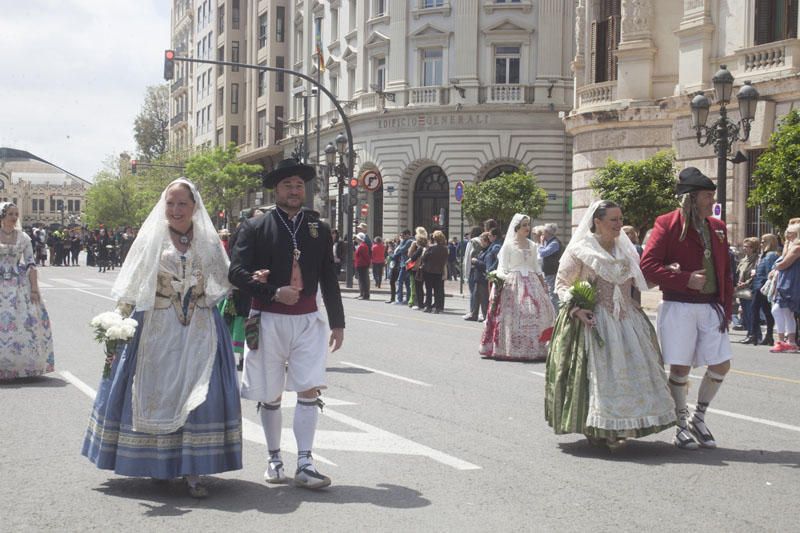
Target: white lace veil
(511, 235)
(584, 246)
(3, 207)
(136, 282)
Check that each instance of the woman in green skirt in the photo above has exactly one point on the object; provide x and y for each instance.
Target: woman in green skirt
(605, 377)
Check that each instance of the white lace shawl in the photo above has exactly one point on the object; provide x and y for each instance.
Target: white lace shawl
(136, 282)
(617, 268)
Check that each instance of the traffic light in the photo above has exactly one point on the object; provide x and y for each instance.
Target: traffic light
(169, 64)
(222, 214)
(133, 166)
(352, 192)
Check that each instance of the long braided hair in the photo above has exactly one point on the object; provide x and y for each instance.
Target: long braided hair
(690, 214)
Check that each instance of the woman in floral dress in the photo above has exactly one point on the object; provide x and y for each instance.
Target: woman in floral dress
(609, 384)
(517, 320)
(26, 343)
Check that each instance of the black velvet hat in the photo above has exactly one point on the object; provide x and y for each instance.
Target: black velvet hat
(287, 168)
(691, 180)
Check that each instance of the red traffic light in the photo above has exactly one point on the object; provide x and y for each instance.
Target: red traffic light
(354, 182)
(169, 64)
(222, 214)
(133, 166)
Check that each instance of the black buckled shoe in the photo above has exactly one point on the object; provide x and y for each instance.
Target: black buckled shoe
(701, 432)
(683, 440)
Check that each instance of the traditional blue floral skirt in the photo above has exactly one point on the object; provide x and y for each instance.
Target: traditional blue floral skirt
(209, 442)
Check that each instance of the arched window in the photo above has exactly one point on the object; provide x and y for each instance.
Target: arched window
(431, 198)
(500, 169)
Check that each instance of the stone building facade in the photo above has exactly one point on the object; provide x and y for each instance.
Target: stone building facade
(437, 92)
(637, 65)
(45, 194)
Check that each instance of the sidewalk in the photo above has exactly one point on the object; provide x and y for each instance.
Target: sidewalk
(650, 299)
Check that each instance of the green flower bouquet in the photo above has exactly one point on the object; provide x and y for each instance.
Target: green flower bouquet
(583, 295)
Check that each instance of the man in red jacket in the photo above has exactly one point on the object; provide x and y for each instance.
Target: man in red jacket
(688, 256)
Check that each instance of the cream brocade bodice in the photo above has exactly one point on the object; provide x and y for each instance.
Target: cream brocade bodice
(572, 269)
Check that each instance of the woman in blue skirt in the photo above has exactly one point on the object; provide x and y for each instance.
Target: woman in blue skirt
(170, 407)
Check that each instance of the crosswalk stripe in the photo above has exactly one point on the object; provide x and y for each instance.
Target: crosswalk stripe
(71, 283)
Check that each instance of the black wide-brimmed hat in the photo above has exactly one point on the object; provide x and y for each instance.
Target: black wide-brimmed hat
(691, 180)
(287, 168)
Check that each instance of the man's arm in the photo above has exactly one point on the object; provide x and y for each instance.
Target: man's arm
(243, 259)
(548, 249)
(654, 260)
(329, 284)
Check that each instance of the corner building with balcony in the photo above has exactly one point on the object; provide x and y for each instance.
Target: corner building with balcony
(638, 63)
(436, 91)
(214, 105)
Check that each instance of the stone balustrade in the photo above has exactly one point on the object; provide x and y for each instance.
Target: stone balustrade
(597, 94)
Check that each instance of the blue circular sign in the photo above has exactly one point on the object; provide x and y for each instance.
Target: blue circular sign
(459, 191)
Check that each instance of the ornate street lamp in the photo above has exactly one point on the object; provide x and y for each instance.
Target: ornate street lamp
(340, 170)
(724, 132)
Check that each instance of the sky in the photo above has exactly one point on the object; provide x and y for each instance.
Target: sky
(73, 75)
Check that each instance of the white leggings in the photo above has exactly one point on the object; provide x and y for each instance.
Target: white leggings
(784, 320)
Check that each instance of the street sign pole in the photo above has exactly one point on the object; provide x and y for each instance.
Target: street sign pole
(459, 197)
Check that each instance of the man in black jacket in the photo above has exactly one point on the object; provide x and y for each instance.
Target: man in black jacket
(280, 259)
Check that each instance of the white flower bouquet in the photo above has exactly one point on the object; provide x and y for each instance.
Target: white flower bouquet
(111, 328)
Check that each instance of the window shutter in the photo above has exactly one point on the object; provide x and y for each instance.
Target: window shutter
(763, 33)
(612, 42)
(593, 51)
(791, 26)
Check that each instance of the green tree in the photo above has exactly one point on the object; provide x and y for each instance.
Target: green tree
(777, 174)
(151, 126)
(221, 177)
(152, 179)
(643, 189)
(111, 200)
(503, 196)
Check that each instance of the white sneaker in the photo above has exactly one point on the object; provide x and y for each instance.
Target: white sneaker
(275, 473)
(307, 477)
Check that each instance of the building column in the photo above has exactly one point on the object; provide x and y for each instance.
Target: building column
(397, 73)
(549, 51)
(694, 36)
(636, 52)
(466, 45)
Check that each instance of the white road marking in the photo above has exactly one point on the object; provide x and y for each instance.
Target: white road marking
(71, 283)
(387, 374)
(373, 321)
(380, 441)
(368, 439)
(98, 295)
(101, 281)
(730, 414)
(83, 387)
(764, 421)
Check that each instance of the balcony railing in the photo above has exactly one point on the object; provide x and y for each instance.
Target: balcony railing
(505, 94)
(177, 84)
(428, 96)
(368, 102)
(177, 119)
(597, 94)
(766, 59)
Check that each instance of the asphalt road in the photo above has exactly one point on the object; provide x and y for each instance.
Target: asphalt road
(419, 434)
